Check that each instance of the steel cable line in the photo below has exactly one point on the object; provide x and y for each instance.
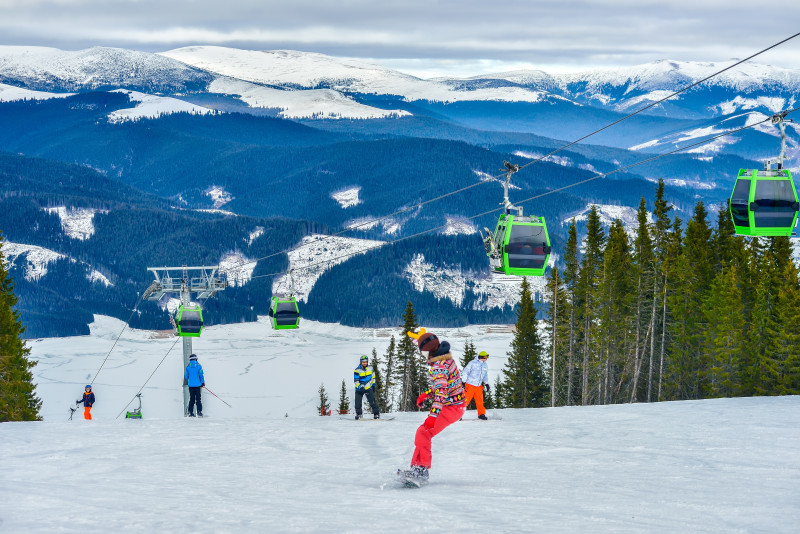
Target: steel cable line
(117, 340)
(551, 192)
(497, 177)
(177, 338)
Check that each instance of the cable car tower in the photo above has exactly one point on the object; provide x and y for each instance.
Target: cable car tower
(204, 282)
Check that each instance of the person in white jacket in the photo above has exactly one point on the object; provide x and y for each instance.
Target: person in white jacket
(476, 377)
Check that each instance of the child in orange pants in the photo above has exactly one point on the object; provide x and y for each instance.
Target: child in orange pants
(88, 401)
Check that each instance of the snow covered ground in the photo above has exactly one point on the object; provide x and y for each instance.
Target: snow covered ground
(347, 198)
(38, 258)
(152, 107)
(728, 465)
(77, 223)
(10, 93)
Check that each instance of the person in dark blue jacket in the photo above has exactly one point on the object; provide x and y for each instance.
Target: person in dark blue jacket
(195, 380)
(88, 401)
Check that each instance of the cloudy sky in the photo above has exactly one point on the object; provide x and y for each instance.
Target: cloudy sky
(425, 37)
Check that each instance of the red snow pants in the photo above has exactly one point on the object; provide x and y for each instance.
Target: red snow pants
(87, 412)
(477, 392)
(422, 441)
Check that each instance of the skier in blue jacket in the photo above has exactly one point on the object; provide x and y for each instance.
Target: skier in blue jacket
(193, 377)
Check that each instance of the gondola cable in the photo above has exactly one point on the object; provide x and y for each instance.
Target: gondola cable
(535, 197)
(372, 222)
(177, 338)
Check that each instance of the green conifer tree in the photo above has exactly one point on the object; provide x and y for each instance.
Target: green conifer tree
(469, 353)
(571, 277)
(379, 386)
(387, 394)
(408, 360)
(344, 399)
(525, 384)
(557, 325)
(724, 333)
(499, 392)
(18, 401)
(590, 272)
(789, 381)
(324, 405)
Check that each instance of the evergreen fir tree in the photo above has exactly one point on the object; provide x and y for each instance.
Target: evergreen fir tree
(789, 381)
(499, 399)
(408, 360)
(18, 401)
(571, 276)
(591, 269)
(324, 405)
(344, 399)
(386, 395)
(469, 353)
(379, 385)
(724, 335)
(525, 384)
(643, 273)
(557, 326)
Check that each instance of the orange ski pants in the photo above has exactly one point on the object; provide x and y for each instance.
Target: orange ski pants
(477, 392)
(87, 412)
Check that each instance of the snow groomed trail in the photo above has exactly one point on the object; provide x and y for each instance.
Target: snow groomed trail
(729, 465)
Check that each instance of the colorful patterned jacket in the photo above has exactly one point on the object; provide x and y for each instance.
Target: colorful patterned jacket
(446, 386)
(364, 378)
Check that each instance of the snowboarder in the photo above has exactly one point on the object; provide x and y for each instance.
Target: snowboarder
(193, 377)
(88, 401)
(476, 378)
(447, 391)
(364, 378)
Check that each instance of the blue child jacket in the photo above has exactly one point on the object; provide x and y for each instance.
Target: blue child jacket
(194, 374)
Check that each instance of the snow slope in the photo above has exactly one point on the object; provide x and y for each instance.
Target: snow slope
(727, 465)
(347, 198)
(38, 258)
(9, 93)
(152, 107)
(77, 223)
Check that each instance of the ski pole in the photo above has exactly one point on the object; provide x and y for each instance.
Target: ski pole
(226, 404)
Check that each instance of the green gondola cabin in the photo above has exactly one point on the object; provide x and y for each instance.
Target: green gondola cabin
(522, 245)
(189, 321)
(284, 313)
(764, 203)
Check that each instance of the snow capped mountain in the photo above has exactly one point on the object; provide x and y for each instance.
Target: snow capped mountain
(292, 69)
(37, 67)
(152, 107)
(9, 93)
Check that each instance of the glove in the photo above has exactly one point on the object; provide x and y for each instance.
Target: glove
(421, 399)
(429, 422)
(77, 402)
(185, 381)
(203, 385)
(487, 388)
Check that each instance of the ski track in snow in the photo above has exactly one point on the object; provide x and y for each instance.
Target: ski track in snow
(725, 465)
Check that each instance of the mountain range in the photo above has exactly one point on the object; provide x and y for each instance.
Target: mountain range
(187, 154)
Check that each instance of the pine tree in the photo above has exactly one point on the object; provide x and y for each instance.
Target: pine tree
(386, 394)
(644, 274)
(469, 353)
(724, 335)
(408, 360)
(525, 384)
(379, 385)
(789, 381)
(558, 329)
(18, 401)
(499, 398)
(324, 405)
(344, 399)
(591, 268)
(571, 276)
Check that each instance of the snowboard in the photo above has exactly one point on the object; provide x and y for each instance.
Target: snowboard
(405, 478)
(367, 419)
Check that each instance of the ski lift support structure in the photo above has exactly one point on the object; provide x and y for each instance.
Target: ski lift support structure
(203, 281)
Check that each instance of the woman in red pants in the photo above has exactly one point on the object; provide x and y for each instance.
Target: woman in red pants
(447, 391)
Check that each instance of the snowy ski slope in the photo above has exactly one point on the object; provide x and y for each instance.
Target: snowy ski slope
(727, 465)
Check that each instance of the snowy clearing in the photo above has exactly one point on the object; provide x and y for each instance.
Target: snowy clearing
(301, 104)
(726, 465)
(10, 93)
(257, 232)
(37, 258)
(219, 196)
(77, 223)
(152, 107)
(238, 267)
(458, 226)
(316, 254)
(347, 198)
